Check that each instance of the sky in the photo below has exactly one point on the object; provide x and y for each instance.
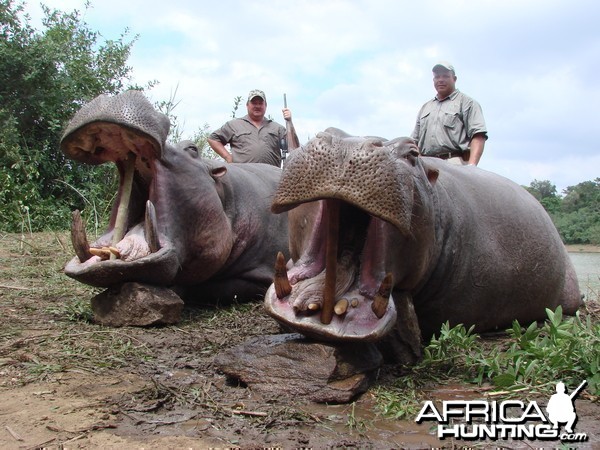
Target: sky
(365, 67)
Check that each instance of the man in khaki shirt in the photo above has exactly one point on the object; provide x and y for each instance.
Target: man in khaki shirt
(451, 125)
(252, 138)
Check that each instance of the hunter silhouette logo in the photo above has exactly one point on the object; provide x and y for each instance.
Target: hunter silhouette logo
(561, 408)
(509, 419)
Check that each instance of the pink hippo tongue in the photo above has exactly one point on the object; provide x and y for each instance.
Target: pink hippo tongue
(325, 298)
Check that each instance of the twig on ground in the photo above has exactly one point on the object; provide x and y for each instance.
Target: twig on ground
(247, 413)
(13, 433)
(16, 288)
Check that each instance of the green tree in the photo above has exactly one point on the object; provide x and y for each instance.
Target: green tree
(46, 77)
(542, 189)
(578, 221)
(545, 192)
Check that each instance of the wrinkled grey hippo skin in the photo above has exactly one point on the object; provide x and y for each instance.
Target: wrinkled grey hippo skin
(465, 245)
(217, 236)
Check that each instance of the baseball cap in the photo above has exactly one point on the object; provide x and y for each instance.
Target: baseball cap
(445, 65)
(257, 93)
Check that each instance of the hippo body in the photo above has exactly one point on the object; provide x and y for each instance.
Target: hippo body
(463, 244)
(214, 234)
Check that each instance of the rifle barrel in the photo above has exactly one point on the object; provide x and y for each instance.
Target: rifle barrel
(576, 391)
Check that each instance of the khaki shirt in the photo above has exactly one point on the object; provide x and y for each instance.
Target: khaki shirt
(251, 144)
(448, 125)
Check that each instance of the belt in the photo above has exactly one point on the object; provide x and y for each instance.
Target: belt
(448, 155)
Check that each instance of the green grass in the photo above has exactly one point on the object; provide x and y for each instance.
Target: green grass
(531, 359)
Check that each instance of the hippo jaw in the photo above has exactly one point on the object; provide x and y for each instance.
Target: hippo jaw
(127, 131)
(357, 304)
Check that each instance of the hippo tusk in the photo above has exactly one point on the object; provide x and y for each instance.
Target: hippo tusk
(381, 300)
(150, 228)
(123, 210)
(79, 238)
(281, 280)
(341, 306)
(333, 228)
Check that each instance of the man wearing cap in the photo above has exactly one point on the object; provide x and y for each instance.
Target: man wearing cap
(451, 125)
(251, 138)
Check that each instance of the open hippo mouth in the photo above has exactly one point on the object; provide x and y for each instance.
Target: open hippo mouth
(333, 291)
(110, 129)
(341, 285)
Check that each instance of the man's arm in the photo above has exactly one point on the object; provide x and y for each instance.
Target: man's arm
(220, 150)
(476, 148)
(292, 138)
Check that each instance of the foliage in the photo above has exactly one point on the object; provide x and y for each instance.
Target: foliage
(542, 189)
(562, 348)
(236, 104)
(577, 214)
(47, 76)
(533, 359)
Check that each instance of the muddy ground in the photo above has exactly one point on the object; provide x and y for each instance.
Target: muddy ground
(66, 382)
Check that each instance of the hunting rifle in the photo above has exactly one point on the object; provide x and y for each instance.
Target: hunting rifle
(290, 134)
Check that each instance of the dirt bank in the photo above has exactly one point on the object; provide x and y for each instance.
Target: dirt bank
(583, 248)
(68, 383)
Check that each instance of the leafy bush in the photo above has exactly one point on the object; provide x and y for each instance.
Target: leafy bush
(577, 214)
(46, 77)
(533, 358)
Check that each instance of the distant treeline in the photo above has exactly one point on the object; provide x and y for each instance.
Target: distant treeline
(48, 74)
(576, 214)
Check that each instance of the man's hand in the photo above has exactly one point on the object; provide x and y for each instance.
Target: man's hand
(287, 114)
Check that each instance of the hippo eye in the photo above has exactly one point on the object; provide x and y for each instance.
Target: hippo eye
(192, 150)
(412, 156)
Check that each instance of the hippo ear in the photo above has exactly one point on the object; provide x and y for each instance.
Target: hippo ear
(218, 172)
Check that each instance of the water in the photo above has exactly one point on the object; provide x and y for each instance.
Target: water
(587, 266)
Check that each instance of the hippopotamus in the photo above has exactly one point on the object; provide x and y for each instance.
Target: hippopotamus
(179, 220)
(373, 223)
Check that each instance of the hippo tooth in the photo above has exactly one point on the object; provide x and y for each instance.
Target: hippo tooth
(281, 280)
(103, 252)
(79, 238)
(150, 228)
(381, 300)
(123, 209)
(333, 230)
(354, 302)
(313, 306)
(114, 251)
(341, 306)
